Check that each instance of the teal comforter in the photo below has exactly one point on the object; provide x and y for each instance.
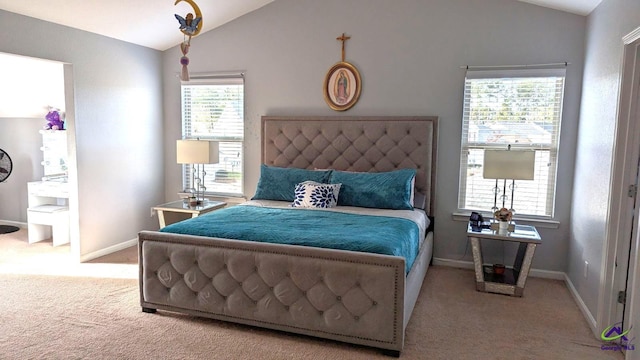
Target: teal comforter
(317, 228)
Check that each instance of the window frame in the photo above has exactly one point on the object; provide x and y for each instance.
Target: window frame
(188, 133)
(552, 147)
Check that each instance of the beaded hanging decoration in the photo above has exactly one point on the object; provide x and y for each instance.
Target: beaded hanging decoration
(190, 26)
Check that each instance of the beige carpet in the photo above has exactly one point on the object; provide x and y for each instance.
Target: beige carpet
(75, 317)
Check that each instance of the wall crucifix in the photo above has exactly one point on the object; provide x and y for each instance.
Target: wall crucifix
(342, 84)
(343, 38)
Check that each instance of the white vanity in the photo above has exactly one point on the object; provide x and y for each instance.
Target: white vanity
(48, 211)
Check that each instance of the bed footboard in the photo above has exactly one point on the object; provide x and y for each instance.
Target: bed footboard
(341, 295)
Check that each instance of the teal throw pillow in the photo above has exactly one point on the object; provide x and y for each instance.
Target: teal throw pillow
(384, 190)
(278, 183)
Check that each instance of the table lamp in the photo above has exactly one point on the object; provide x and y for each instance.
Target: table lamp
(508, 164)
(197, 153)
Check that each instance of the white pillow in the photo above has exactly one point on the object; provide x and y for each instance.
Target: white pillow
(311, 194)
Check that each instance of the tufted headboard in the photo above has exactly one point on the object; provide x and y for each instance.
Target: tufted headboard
(378, 143)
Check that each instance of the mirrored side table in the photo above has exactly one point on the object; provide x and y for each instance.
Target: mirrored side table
(513, 280)
(175, 211)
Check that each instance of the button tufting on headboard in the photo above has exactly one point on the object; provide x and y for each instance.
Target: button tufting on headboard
(354, 144)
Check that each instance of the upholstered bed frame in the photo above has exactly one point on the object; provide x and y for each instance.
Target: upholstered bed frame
(353, 297)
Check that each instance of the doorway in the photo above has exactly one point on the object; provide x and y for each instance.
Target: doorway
(31, 86)
(619, 283)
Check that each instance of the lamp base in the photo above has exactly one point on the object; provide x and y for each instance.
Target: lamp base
(193, 201)
(496, 226)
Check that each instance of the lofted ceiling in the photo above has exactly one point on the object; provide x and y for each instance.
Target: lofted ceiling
(148, 23)
(580, 7)
(151, 23)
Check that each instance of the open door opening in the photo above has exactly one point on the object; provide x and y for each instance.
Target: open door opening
(618, 313)
(31, 89)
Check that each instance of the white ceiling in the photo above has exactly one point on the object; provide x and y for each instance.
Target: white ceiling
(148, 23)
(580, 7)
(151, 23)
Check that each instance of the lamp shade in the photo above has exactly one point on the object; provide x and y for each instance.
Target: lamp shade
(509, 164)
(197, 152)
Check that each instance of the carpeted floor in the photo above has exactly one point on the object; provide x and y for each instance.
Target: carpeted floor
(78, 317)
(17, 256)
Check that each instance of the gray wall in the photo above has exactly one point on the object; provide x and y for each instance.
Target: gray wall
(606, 26)
(409, 54)
(118, 123)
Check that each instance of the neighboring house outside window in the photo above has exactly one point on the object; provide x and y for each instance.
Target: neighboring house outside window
(521, 108)
(213, 109)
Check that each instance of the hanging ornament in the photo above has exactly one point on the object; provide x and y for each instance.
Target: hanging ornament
(184, 60)
(190, 26)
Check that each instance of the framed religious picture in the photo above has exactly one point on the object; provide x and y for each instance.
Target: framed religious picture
(342, 86)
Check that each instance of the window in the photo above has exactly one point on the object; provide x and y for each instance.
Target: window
(213, 109)
(521, 108)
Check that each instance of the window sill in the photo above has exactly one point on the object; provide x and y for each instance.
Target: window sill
(229, 199)
(542, 223)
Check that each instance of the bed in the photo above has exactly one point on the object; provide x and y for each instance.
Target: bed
(333, 293)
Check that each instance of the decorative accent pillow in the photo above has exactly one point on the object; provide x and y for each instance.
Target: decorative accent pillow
(312, 194)
(278, 183)
(384, 190)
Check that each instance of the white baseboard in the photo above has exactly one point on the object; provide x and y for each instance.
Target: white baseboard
(546, 274)
(582, 306)
(21, 225)
(109, 250)
(453, 263)
(86, 257)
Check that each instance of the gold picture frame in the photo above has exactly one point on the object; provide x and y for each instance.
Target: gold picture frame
(342, 86)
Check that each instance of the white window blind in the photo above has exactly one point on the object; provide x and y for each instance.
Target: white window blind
(213, 109)
(520, 108)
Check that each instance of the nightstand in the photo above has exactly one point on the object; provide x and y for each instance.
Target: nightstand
(175, 211)
(513, 280)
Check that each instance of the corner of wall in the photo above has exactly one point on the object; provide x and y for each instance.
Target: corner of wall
(591, 321)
